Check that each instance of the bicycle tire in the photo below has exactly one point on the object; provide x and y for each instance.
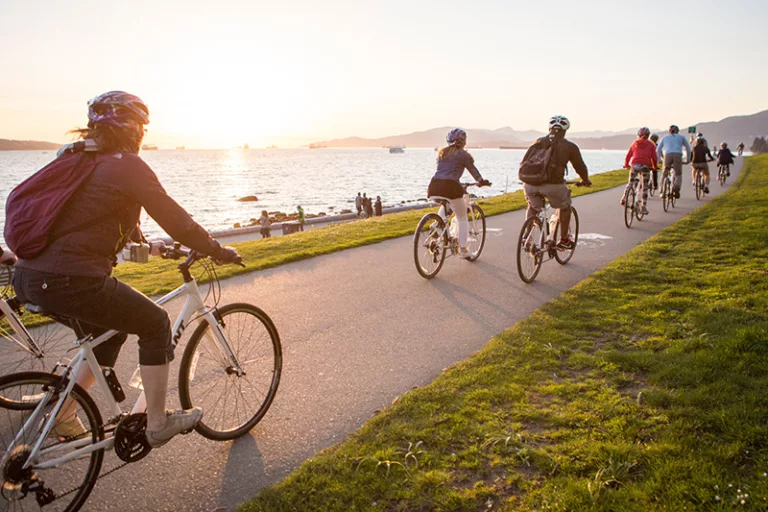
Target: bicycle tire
(697, 186)
(37, 383)
(528, 248)
(428, 245)
(197, 372)
(472, 226)
(722, 175)
(666, 194)
(565, 256)
(629, 207)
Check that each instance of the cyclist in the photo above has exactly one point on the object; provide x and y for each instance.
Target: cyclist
(725, 157)
(655, 172)
(558, 193)
(7, 257)
(740, 148)
(670, 151)
(699, 159)
(71, 277)
(452, 160)
(640, 159)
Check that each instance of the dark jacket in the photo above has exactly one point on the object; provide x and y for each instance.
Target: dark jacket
(107, 206)
(564, 151)
(724, 156)
(701, 154)
(452, 168)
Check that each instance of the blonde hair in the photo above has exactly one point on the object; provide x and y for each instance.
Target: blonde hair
(447, 152)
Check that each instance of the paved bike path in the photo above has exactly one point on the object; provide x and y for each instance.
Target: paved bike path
(359, 328)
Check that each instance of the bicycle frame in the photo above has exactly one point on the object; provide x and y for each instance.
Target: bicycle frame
(27, 343)
(445, 240)
(193, 305)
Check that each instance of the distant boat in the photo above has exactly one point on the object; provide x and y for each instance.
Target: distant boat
(272, 147)
(180, 148)
(397, 149)
(245, 146)
(317, 146)
(512, 147)
(149, 147)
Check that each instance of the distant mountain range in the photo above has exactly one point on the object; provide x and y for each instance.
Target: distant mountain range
(731, 129)
(15, 145)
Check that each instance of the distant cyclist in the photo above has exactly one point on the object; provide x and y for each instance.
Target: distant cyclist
(670, 151)
(701, 156)
(452, 160)
(558, 193)
(655, 172)
(740, 148)
(640, 159)
(725, 157)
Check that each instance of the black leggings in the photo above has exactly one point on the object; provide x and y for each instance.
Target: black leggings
(100, 304)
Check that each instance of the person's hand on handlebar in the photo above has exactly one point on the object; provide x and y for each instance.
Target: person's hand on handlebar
(227, 254)
(586, 182)
(7, 257)
(483, 183)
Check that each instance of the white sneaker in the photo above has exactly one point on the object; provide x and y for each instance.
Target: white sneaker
(176, 422)
(464, 254)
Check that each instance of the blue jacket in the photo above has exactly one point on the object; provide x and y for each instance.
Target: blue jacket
(673, 143)
(452, 168)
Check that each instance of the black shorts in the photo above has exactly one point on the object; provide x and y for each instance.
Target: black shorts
(445, 188)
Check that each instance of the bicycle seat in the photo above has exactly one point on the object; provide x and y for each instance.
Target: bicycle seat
(440, 200)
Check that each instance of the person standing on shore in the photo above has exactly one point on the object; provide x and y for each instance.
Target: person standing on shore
(266, 223)
(359, 205)
(369, 208)
(378, 206)
(365, 204)
(300, 217)
(670, 151)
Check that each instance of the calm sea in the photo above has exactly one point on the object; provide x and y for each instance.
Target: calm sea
(208, 183)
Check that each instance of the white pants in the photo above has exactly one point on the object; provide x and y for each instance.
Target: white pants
(459, 207)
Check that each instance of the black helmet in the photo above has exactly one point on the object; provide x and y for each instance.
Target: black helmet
(654, 137)
(674, 129)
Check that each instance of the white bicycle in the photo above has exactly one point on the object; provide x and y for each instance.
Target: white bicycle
(231, 368)
(435, 237)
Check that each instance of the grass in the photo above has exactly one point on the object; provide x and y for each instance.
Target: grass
(643, 388)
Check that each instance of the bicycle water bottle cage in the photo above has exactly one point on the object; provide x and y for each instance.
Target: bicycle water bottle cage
(131, 443)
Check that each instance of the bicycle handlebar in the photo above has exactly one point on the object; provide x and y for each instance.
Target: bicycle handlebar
(176, 253)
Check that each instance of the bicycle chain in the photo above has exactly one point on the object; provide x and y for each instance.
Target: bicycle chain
(113, 421)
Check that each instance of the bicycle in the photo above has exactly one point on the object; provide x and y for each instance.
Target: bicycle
(667, 196)
(35, 346)
(538, 239)
(42, 470)
(722, 173)
(633, 199)
(435, 237)
(699, 184)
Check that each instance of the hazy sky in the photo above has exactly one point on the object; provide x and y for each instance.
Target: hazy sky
(220, 73)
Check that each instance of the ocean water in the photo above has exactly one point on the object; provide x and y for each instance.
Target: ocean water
(208, 183)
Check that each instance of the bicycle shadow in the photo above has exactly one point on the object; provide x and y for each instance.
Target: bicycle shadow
(511, 278)
(243, 472)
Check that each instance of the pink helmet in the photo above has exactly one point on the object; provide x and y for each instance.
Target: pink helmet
(644, 132)
(118, 108)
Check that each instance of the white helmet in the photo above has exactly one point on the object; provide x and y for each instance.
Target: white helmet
(561, 122)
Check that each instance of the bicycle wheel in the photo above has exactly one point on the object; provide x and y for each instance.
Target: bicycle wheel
(428, 248)
(666, 195)
(52, 338)
(721, 175)
(564, 257)
(64, 488)
(698, 187)
(530, 254)
(639, 208)
(629, 207)
(476, 238)
(232, 405)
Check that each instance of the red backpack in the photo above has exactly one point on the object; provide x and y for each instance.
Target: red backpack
(33, 206)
